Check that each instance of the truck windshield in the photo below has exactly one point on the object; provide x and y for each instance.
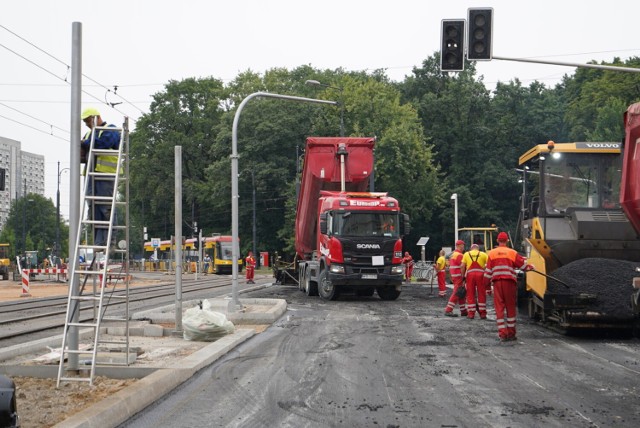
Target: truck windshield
(581, 180)
(363, 223)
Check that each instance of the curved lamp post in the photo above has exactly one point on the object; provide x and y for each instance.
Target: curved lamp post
(341, 103)
(234, 181)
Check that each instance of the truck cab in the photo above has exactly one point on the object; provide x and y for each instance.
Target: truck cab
(359, 238)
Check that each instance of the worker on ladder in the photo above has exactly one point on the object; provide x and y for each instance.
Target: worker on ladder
(104, 140)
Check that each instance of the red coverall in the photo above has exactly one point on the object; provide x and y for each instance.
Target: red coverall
(250, 263)
(501, 271)
(407, 260)
(455, 263)
(475, 262)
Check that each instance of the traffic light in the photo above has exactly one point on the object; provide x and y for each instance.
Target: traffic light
(479, 35)
(452, 46)
(2, 179)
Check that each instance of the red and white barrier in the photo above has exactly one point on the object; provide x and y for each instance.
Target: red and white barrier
(27, 272)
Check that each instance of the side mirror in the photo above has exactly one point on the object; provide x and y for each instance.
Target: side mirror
(323, 223)
(405, 225)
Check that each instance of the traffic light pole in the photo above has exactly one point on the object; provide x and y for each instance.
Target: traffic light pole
(572, 64)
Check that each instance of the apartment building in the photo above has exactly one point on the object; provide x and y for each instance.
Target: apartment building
(24, 174)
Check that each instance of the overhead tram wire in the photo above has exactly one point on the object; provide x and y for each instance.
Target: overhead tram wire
(34, 128)
(59, 78)
(68, 67)
(34, 118)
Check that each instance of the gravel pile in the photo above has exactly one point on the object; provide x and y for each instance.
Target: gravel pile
(610, 280)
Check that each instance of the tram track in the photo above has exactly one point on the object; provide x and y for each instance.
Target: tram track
(38, 316)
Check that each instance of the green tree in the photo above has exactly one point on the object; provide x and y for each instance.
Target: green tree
(31, 226)
(591, 90)
(185, 114)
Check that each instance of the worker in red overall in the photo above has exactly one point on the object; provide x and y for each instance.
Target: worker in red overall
(455, 271)
(441, 273)
(250, 263)
(500, 271)
(473, 264)
(407, 260)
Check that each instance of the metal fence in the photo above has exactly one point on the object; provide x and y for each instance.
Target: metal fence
(424, 271)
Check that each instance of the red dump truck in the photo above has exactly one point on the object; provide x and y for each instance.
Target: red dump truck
(346, 239)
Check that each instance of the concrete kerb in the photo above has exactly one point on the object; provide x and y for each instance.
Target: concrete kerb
(124, 404)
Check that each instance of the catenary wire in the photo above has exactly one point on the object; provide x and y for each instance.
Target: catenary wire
(32, 127)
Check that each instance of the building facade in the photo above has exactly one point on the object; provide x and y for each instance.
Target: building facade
(24, 174)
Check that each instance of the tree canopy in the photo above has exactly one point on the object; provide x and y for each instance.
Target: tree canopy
(436, 134)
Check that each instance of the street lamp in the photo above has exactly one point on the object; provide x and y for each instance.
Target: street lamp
(234, 180)
(455, 211)
(60, 171)
(316, 83)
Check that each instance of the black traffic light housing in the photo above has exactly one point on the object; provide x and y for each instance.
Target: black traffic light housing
(479, 34)
(452, 45)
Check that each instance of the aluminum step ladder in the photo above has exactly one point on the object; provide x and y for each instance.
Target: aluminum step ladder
(101, 268)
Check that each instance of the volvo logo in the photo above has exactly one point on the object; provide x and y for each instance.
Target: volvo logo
(368, 246)
(598, 145)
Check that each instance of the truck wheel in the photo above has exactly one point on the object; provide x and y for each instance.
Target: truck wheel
(326, 289)
(388, 293)
(310, 287)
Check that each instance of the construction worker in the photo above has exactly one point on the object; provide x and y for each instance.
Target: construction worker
(250, 263)
(105, 139)
(207, 262)
(500, 271)
(455, 266)
(441, 272)
(473, 264)
(407, 260)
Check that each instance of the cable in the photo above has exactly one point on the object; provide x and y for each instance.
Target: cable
(28, 42)
(34, 118)
(112, 105)
(36, 129)
(31, 62)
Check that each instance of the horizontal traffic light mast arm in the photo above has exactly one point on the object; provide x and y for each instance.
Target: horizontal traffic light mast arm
(572, 64)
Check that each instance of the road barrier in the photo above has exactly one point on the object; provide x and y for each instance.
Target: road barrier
(27, 272)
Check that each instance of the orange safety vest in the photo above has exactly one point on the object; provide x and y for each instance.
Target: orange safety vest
(502, 264)
(455, 264)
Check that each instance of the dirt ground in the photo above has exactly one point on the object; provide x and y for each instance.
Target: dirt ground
(40, 404)
(48, 286)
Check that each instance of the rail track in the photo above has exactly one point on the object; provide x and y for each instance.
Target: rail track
(31, 319)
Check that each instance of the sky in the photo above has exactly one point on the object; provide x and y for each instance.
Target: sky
(131, 49)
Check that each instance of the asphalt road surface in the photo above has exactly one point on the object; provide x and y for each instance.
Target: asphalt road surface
(363, 362)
